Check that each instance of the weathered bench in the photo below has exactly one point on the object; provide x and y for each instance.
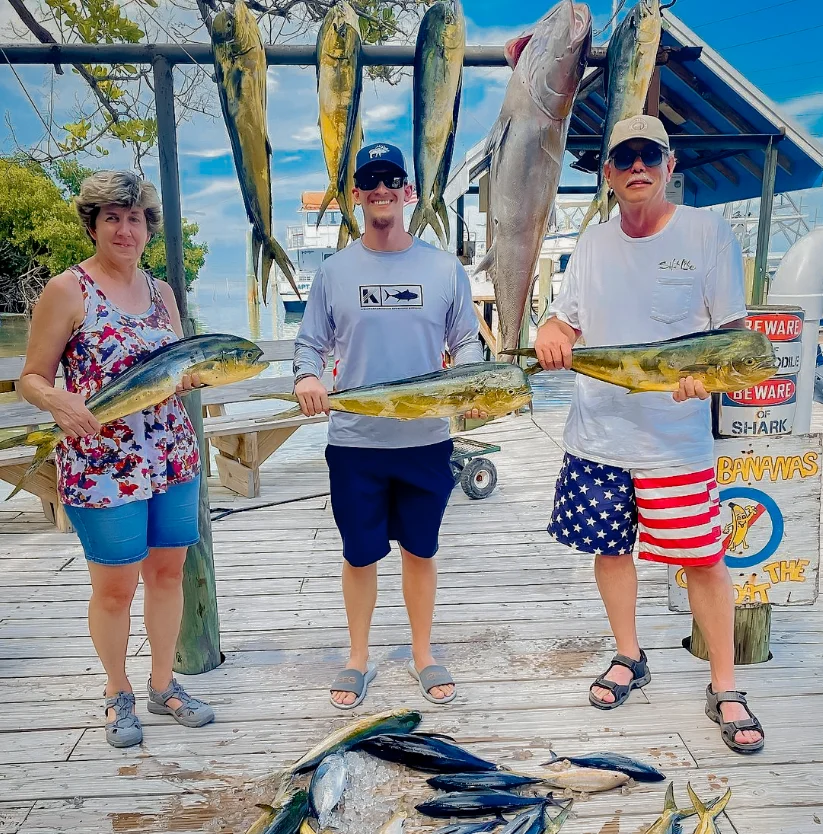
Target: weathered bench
(243, 441)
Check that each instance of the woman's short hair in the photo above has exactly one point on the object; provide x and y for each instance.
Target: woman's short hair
(121, 188)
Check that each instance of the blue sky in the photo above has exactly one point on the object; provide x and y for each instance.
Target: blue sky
(772, 42)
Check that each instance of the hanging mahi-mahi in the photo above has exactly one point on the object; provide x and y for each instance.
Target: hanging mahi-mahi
(339, 84)
(240, 67)
(438, 78)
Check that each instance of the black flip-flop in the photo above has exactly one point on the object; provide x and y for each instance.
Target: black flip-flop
(621, 691)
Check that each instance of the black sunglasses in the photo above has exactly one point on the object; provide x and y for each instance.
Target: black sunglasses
(369, 180)
(623, 156)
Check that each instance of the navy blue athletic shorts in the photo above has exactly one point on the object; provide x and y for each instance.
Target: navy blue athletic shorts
(383, 495)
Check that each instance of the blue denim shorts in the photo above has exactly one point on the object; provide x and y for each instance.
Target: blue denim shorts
(123, 535)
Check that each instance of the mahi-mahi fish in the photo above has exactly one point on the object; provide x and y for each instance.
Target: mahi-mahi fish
(630, 61)
(217, 358)
(708, 813)
(526, 147)
(240, 69)
(438, 79)
(723, 360)
(669, 821)
(497, 388)
(339, 86)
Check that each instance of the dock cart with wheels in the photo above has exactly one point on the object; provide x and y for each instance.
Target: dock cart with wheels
(474, 473)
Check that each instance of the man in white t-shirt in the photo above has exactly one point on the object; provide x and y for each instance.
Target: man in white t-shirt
(656, 271)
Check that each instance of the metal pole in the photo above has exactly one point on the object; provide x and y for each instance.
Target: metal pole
(460, 226)
(198, 645)
(764, 226)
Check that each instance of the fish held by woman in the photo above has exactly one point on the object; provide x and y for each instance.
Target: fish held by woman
(240, 69)
(438, 80)
(339, 87)
(630, 60)
(217, 358)
(723, 360)
(497, 388)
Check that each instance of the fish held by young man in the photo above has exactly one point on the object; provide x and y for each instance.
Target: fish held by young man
(723, 360)
(496, 388)
(217, 358)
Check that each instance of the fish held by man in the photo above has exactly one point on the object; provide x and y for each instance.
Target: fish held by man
(424, 752)
(438, 80)
(526, 148)
(240, 70)
(669, 821)
(495, 388)
(637, 770)
(339, 88)
(723, 360)
(630, 60)
(217, 358)
(708, 814)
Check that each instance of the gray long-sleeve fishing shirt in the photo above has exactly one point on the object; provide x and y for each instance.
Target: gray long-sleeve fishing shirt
(386, 316)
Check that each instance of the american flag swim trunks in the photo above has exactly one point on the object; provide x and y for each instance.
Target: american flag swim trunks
(598, 509)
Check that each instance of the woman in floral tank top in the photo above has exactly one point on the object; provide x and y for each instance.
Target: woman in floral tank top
(130, 487)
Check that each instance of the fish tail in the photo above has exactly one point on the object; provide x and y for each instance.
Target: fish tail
(427, 216)
(720, 806)
(699, 807)
(282, 260)
(45, 442)
(594, 208)
(343, 236)
(331, 193)
(443, 214)
(265, 272)
(416, 218)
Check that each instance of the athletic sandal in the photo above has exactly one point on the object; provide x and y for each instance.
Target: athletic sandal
(190, 713)
(729, 729)
(430, 677)
(621, 691)
(125, 730)
(353, 680)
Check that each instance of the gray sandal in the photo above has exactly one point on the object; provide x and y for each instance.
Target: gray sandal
(729, 729)
(621, 691)
(125, 730)
(190, 713)
(353, 680)
(430, 677)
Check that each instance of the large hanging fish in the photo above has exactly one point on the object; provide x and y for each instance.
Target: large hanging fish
(339, 84)
(438, 79)
(240, 68)
(526, 147)
(630, 61)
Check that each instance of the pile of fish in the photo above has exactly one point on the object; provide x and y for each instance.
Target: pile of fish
(217, 358)
(471, 787)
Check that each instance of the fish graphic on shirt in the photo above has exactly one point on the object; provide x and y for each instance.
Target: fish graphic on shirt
(403, 295)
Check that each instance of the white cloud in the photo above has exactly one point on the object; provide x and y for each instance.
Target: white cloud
(803, 104)
(291, 158)
(307, 135)
(215, 187)
(382, 113)
(206, 153)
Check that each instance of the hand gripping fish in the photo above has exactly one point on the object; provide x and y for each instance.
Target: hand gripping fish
(526, 148)
(438, 79)
(630, 62)
(497, 388)
(217, 358)
(339, 85)
(240, 69)
(723, 360)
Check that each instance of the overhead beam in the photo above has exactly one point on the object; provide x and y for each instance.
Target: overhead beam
(280, 54)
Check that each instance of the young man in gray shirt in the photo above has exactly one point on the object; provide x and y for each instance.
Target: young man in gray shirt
(386, 306)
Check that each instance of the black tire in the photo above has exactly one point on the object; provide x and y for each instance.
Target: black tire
(478, 478)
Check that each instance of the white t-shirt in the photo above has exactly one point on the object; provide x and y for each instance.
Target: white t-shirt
(622, 290)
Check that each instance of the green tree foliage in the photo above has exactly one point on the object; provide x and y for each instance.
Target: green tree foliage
(40, 234)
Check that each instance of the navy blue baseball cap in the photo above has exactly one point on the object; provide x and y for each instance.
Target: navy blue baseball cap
(382, 154)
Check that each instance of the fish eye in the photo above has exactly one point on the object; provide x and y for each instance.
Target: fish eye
(748, 361)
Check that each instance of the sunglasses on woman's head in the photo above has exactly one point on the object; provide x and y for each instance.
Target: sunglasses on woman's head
(369, 180)
(623, 156)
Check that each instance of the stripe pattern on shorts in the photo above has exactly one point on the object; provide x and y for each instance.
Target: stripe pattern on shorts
(678, 515)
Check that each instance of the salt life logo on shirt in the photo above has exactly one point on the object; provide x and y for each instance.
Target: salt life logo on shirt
(678, 265)
(391, 296)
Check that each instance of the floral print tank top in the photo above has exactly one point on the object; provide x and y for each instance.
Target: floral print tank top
(142, 454)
